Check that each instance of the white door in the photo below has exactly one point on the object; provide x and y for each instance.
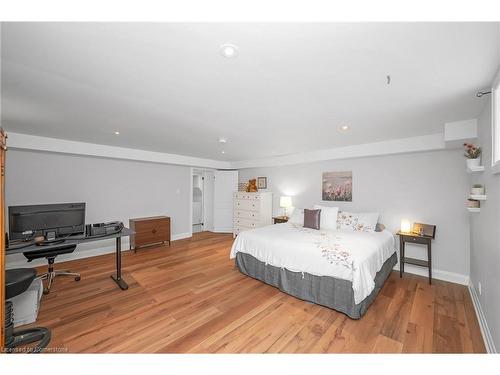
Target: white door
(208, 201)
(226, 183)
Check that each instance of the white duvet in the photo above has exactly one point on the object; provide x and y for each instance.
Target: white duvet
(352, 256)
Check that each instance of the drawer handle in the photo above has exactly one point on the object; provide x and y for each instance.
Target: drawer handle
(154, 231)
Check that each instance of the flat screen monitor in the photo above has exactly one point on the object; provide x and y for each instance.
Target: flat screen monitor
(63, 219)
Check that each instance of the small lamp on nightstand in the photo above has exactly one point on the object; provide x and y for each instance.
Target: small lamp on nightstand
(405, 226)
(285, 202)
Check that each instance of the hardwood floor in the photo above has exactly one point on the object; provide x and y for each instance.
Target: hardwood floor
(189, 298)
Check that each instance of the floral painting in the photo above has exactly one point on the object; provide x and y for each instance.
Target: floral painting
(337, 186)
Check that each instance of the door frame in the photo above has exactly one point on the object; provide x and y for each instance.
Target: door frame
(192, 172)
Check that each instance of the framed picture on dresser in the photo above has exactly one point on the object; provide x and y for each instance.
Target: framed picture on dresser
(261, 182)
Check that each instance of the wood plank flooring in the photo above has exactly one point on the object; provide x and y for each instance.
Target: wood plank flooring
(189, 298)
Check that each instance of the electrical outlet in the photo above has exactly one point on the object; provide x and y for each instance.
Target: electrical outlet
(479, 288)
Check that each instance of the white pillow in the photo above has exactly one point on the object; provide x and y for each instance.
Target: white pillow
(328, 218)
(297, 216)
(357, 222)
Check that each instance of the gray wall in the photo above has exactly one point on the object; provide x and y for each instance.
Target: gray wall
(485, 233)
(427, 187)
(113, 189)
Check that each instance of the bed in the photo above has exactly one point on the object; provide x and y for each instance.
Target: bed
(342, 270)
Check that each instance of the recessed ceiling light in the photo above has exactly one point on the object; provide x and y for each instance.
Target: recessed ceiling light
(229, 50)
(223, 152)
(117, 133)
(222, 140)
(344, 128)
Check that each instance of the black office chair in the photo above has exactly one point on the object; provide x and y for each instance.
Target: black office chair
(17, 281)
(51, 255)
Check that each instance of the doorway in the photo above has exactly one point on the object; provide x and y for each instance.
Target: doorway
(202, 200)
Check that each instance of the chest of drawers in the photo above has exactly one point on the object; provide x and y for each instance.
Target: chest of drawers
(251, 210)
(149, 231)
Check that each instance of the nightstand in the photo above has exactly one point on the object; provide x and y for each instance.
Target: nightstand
(280, 219)
(414, 238)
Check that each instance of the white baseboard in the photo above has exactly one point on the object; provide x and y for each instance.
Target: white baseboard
(436, 274)
(483, 324)
(19, 261)
(223, 230)
(181, 236)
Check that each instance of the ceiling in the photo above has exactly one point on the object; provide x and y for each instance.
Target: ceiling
(166, 87)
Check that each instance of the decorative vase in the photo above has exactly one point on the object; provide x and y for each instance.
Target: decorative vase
(473, 162)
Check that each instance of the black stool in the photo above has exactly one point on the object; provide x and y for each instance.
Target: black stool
(17, 281)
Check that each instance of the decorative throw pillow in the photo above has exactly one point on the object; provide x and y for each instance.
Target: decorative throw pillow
(312, 219)
(380, 227)
(357, 222)
(297, 216)
(328, 216)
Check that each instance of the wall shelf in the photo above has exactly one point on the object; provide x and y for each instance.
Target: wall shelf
(479, 168)
(473, 209)
(478, 197)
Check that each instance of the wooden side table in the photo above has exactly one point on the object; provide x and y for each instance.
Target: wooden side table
(280, 219)
(414, 239)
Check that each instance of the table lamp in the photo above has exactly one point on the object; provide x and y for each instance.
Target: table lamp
(405, 226)
(285, 202)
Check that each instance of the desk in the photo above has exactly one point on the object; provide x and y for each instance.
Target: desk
(76, 241)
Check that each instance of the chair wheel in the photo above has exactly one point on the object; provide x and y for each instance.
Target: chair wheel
(46, 291)
(77, 278)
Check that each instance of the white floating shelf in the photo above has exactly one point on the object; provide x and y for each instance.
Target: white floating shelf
(474, 209)
(479, 168)
(478, 197)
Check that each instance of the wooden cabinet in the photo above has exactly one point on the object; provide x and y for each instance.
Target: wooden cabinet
(251, 210)
(149, 231)
(3, 148)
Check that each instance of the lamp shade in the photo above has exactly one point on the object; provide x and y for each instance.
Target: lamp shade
(285, 202)
(405, 226)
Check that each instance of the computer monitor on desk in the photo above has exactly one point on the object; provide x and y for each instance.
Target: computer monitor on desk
(48, 220)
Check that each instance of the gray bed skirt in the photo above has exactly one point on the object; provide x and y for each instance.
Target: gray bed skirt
(328, 291)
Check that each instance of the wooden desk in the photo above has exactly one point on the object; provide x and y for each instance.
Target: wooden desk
(412, 238)
(78, 240)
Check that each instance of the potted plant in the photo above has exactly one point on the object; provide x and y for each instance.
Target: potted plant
(477, 189)
(472, 153)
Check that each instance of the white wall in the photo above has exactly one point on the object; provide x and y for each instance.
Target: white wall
(428, 187)
(112, 189)
(485, 233)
